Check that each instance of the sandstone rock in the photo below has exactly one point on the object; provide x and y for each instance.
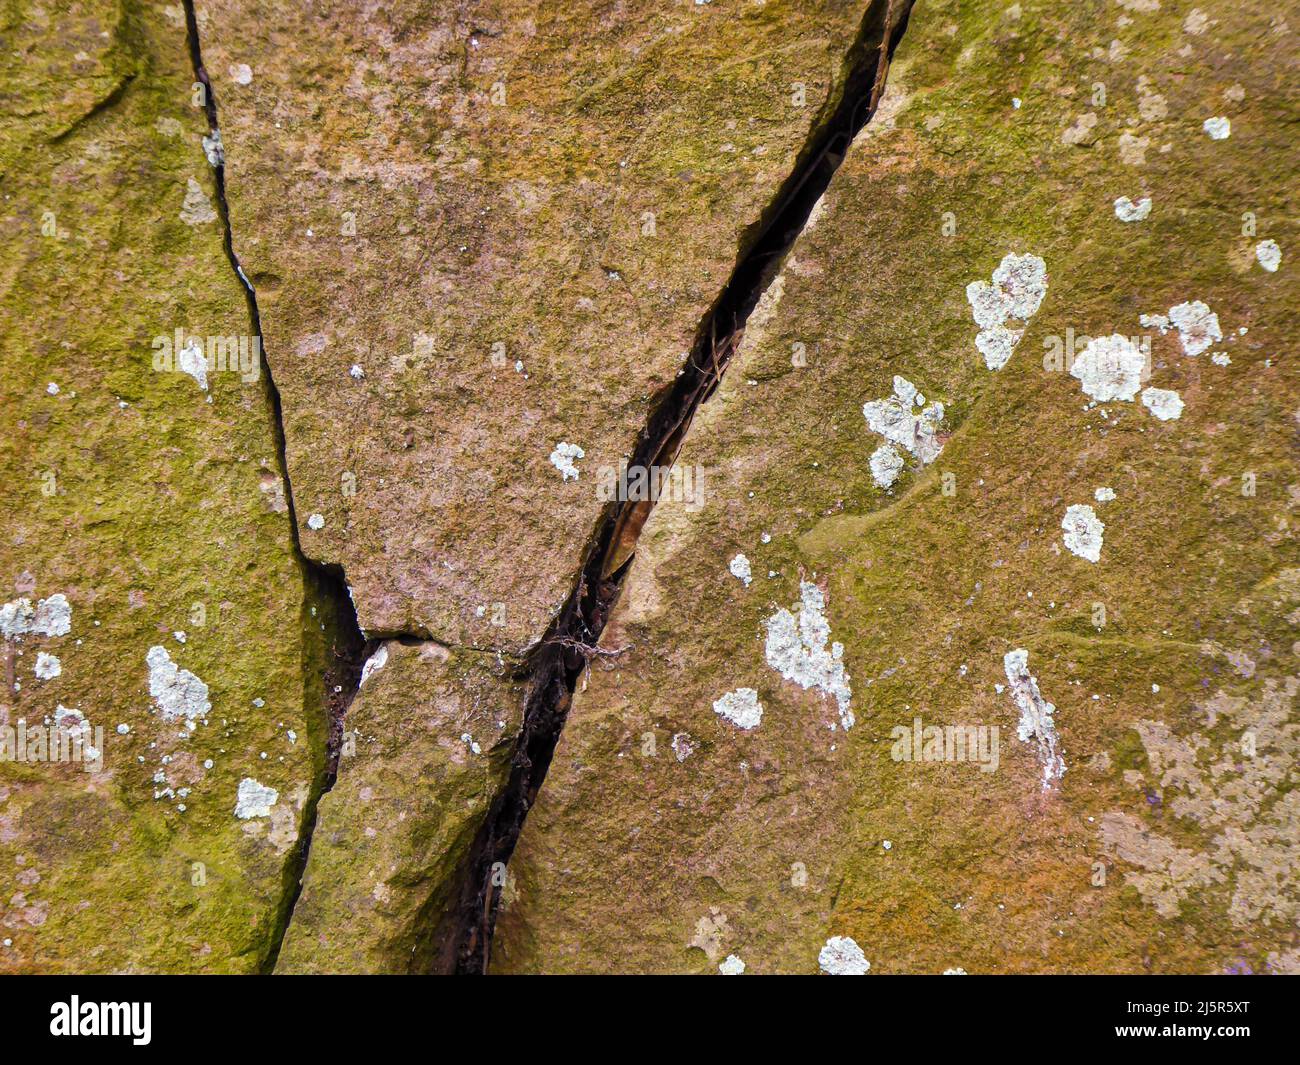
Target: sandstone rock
(1163, 847)
(137, 500)
(428, 746)
(512, 222)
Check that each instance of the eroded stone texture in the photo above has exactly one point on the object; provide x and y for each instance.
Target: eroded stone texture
(666, 839)
(483, 235)
(429, 743)
(140, 512)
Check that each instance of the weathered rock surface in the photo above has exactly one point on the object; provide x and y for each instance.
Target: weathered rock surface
(147, 557)
(484, 230)
(980, 653)
(673, 832)
(429, 741)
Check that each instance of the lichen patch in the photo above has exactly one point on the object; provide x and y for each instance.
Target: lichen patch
(741, 707)
(1083, 531)
(178, 693)
(254, 800)
(797, 649)
(196, 208)
(896, 419)
(1110, 368)
(1164, 403)
(1019, 285)
(1268, 255)
(50, 617)
(740, 569)
(1036, 715)
(1128, 211)
(841, 956)
(562, 458)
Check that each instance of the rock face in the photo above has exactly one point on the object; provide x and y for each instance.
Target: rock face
(154, 610)
(483, 236)
(971, 645)
(428, 747)
(1117, 795)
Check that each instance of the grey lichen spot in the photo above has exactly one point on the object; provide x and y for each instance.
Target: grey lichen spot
(1019, 285)
(1244, 809)
(1036, 715)
(1269, 255)
(1197, 325)
(191, 360)
(254, 800)
(1083, 531)
(1128, 211)
(841, 956)
(741, 707)
(895, 419)
(1110, 368)
(1218, 128)
(50, 617)
(214, 149)
(1164, 403)
(374, 663)
(47, 666)
(197, 210)
(177, 692)
(797, 649)
(562, 458)
(886, 465)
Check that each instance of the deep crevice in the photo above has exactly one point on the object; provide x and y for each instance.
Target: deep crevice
(464, 934)
(336, 646)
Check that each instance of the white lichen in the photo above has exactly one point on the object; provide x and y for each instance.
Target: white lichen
(1197, 325)
(1104, 494)
(1128, 211)
(1019, 285)
(254, 799)
(1110, 368)
(886, 465)
(893, 418)
(562, 459)
(741, 708)
(316, 522)
(191, 360)
(797, 649)
(1164, 403)
(1036, 715)
(50, 617)
(1269, 255)
(841, 956)
(214, 149)
(1218, 128)
(739, 567)
(1083, 531)
(177, 692)
(47, 666)
(733, 966)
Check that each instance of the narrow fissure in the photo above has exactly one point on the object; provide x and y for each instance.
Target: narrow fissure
(463, 935)
(336, 646)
